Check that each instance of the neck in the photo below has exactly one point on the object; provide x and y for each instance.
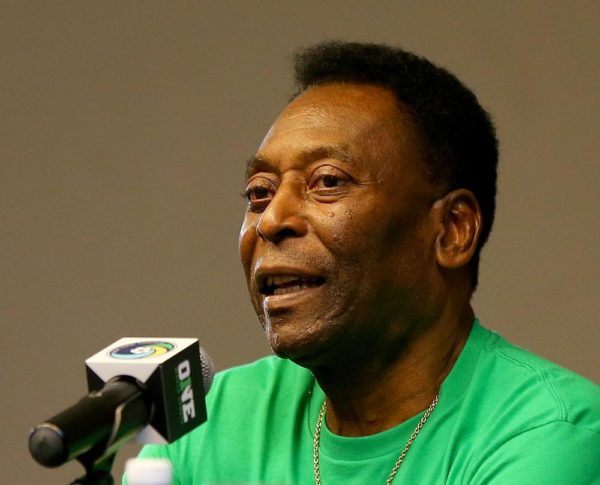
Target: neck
(382, 393)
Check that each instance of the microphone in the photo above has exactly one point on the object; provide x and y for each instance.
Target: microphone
(152, 387)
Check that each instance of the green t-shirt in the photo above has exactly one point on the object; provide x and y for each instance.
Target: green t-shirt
(505, 416)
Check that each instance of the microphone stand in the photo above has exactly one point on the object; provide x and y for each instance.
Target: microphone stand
(99, 459)
(97, 468)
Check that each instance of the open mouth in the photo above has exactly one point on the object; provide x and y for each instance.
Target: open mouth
(282, 285)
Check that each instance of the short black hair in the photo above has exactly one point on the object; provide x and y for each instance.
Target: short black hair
(458, 137)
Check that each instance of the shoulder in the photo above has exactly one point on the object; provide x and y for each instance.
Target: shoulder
(262, 376)
(555, 392)
(270, 365)
(533, 417)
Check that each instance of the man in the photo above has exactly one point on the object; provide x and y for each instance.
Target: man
(368, 203)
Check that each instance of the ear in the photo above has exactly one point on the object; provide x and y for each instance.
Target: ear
(460, 217)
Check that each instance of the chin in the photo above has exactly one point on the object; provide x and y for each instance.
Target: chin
(299, 350)
(287, 348)
(308, 353)
(305, 337)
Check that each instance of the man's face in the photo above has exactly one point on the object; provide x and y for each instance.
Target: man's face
(338, 239)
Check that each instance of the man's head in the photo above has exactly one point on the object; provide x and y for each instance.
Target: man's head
(352, 240)
(456, 134)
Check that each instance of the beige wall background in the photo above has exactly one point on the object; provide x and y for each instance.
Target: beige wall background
(124, 131)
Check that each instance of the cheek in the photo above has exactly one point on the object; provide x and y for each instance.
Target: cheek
(247, 241)
(372, 243)
(351, 234)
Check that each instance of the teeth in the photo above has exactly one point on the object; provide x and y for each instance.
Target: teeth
(280, 280)
(290, 289)
(281, 285)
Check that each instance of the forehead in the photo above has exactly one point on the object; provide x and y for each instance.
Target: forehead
(353, 122)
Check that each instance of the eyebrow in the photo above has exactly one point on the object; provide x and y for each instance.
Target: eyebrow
(258, 163)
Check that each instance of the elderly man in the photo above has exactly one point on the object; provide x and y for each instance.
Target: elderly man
(368, 203)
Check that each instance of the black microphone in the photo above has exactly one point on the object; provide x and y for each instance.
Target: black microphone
(152, 387)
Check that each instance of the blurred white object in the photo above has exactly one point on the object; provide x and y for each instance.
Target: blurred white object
(148, 471)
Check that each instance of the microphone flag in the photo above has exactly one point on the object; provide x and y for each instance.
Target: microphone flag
(149, 388)
(170, 370)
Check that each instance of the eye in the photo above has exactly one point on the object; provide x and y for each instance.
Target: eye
(255, 194)
(328, 180)
(259, 193)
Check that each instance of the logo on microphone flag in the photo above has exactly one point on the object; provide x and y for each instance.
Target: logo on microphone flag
(141, 350)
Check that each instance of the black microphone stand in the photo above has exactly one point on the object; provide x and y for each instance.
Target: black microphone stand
(96, 472)
(130, 416)
(99, 459)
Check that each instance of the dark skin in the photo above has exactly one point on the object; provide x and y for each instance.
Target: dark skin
(356, 263)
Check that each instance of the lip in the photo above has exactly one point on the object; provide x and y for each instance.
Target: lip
(263, 272)
(276, 303)
(272, 301)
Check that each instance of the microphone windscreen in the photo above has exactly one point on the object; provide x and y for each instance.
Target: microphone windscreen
(208, 369)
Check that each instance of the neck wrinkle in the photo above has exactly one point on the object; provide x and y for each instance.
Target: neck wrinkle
(373, 398)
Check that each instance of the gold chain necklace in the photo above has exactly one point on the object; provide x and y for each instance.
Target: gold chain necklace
(400, 459)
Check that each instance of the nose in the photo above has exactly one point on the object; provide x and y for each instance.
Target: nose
(284, 216)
